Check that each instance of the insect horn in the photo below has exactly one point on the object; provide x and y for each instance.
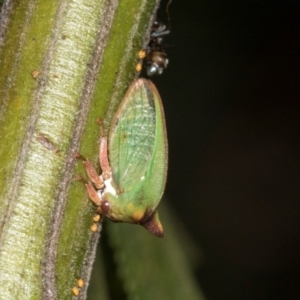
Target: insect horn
(153, 225)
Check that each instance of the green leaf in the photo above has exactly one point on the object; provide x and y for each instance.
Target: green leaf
(145, 267)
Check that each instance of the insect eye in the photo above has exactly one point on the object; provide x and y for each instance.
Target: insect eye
(105, 206)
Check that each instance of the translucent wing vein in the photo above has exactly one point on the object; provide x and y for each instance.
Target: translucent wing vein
(132, 137)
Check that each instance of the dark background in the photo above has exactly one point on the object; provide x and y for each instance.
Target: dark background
(231, 97)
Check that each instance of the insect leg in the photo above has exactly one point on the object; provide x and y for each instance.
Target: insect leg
(103, 154)
(91, 172)
(93, 194)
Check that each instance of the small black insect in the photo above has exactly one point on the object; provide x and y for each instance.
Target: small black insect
(156, 57)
